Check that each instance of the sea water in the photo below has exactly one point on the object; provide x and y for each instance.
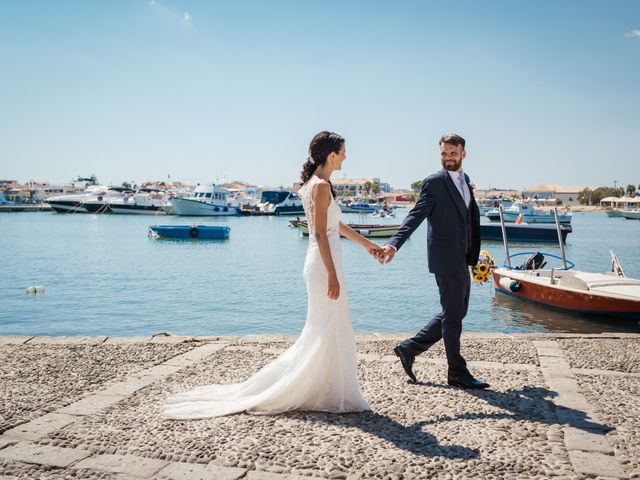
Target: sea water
(103, 275)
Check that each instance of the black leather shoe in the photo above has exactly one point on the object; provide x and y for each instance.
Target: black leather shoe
(407, 362)
(466, 381)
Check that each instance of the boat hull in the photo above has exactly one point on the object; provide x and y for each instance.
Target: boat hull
(510, 217)
(576, 301)
(347, 209)
(631, 214)
(207, 232)
(68, 206)
(137, 209)
(289, 210)
(525, 233)
(369, 231)
(197, 208)
(96, 207)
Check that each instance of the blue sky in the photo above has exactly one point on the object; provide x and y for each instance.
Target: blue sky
(544, 91)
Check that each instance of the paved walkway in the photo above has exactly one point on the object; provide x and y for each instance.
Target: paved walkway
(560, 406)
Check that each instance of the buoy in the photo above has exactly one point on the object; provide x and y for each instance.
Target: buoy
(35, 290)
(509, 284)
(519, 219)
(194, 232)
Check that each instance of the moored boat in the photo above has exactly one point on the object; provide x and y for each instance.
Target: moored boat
(280, 202)
(543, 233)
(374, 230)
(208, 200)
(528, 214)
(631, 214)
(608, 294)
(577, 291)
(190, 231)
(143, 202)
(359, 207)
(100, 204)
(74, 203)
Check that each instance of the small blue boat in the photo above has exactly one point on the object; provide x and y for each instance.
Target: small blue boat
(190, 231)
(544, 233)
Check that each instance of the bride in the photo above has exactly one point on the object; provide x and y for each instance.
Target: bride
(318, 372)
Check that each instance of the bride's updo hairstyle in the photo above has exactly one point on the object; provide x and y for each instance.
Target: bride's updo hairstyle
(320, 147)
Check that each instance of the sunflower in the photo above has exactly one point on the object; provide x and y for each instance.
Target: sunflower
(483, 268)
(480, 278)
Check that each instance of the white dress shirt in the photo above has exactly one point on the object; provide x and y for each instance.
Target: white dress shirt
(461, 184)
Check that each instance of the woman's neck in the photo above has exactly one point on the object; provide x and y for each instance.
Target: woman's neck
(323, 173)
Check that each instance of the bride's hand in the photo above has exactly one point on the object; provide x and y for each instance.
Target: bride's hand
(333, 292)
(373, 249)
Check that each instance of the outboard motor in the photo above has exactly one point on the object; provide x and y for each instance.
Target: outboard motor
(535, 261)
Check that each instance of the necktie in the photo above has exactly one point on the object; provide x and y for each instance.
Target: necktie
(462, 189)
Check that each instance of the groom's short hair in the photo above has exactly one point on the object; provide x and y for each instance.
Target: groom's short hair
(452, 139)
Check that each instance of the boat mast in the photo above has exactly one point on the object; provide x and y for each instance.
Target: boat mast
(504, 236)
(564, 259)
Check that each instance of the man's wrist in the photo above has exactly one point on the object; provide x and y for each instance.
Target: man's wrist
(392, 246)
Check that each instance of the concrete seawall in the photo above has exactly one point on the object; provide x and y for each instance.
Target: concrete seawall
(560, 406)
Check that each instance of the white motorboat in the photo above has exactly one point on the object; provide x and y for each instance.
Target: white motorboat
(143, 202)
(207, 200)
(100, 204)
(529, 214)
(631, 214)
(487, 204)
(280, 202)
(359, 207)
(246, 199)
(74, 203)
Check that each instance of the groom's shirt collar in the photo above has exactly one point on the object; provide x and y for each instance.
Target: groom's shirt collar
(454, 175)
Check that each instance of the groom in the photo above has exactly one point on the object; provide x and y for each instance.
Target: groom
(453, 243)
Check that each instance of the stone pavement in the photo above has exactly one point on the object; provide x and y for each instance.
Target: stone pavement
(560, 406)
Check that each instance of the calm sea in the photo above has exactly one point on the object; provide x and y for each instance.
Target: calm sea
(104, 276)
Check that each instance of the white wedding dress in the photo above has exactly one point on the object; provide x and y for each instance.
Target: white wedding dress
(318, 372)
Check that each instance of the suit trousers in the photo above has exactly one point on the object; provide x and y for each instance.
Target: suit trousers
(446, 325)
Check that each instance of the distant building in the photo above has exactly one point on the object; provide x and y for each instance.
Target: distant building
(552, 193)
(355, 187)
(496, 193)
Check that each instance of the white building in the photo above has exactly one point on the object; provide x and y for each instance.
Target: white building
(354, 187)
(551, 192)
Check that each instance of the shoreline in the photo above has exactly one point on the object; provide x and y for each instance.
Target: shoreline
(166, 337)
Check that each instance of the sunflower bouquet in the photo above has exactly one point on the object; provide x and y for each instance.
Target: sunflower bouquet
(481, 272)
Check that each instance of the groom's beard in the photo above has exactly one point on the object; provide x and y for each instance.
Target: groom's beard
(451, 165)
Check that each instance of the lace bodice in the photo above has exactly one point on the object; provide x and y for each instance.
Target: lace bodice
(333, 213)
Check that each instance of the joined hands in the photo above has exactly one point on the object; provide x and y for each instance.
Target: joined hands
(382, 254)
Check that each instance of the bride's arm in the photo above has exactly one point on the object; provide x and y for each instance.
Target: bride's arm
(351, 234)
(321, 197)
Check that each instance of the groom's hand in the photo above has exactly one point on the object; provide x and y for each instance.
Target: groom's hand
(386, 255)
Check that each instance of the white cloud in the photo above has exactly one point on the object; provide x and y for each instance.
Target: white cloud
(633, 34)
(185, 18)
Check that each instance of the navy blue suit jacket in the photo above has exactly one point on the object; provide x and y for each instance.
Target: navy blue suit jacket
(442, 205)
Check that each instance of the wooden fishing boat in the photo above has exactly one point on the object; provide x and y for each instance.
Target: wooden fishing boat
(366, 230)
(582, 292)
(609, 294)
